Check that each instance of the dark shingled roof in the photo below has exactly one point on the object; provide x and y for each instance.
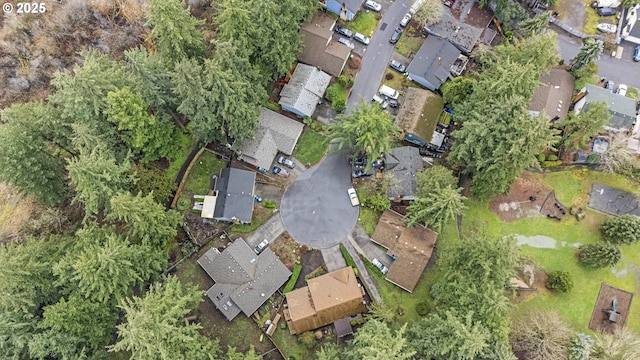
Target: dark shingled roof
(243, 280)
(404, 163)
(432, 64)
(235, 195)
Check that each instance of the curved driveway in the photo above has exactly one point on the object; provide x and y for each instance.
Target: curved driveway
(315, 209)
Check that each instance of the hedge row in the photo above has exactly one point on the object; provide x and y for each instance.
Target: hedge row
(294, 277)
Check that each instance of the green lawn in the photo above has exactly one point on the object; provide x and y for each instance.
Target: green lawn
(365, 23)
(185, 145)
(200, 175)
(368, 219)
(632, 93)
(289, 345)
(408, 44)
(571, 187)
(311, 147)
(336, 94)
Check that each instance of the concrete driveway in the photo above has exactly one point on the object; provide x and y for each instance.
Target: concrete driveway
(315, 209)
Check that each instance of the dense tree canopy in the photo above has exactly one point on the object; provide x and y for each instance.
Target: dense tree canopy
(151, 136)
(29, 158)
(499, 138)
(580, 128)
(429, 13)
(448, 337)
(174, 31)
(367, 129)
(589, 51)
(96, 177)
(155, 326)
(375, 340)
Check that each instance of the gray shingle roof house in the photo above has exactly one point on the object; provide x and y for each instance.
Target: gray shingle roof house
(346, 9)
(303, 91)
(232, 198)
(319, 49)
(462, 24)
(432, 64)
(622, 108)
(275, 133)
(404, 163)
(553, 96)
(243, 280)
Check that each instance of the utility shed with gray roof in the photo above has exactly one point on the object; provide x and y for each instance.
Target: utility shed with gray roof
(275, 133)
(432, 64)
(621, 108)
(303, 91)
(232, 196)
(243, 280)
(403, 163)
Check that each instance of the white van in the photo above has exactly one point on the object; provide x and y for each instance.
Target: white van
(388, 92)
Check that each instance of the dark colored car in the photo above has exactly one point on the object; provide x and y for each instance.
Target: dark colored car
(344, 31)
(280, 171)
(397, 66)
(636, 54)
(607, 11)
(396, 35)
(359, 162)
(358, 173)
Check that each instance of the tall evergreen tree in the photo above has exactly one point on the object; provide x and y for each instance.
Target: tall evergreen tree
(623, 229)
(375, 340)
(152, 77)
(437, 209)
(579, 129)
(174, 31)
(148, 222)
(97, 177)
(535, 25)
(589, 51)
(155, 326)
(448, 337)
(151, 136)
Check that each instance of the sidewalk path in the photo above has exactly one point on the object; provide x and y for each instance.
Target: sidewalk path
(362, 270)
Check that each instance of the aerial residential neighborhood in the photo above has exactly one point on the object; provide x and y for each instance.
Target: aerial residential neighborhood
(320, 179)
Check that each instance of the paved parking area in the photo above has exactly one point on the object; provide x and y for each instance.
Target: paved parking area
(315, 209)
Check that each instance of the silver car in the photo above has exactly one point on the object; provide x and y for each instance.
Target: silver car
(361, 38)
(346, 42)
(286, 162)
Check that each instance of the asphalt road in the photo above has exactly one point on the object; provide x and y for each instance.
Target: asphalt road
(378, 52)
(621, 71)
(316, 209)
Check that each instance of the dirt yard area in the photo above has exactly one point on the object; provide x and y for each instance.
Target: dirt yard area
(15, 210)
(600, 318)
(517, 204)
(288, 250)
(571, 12)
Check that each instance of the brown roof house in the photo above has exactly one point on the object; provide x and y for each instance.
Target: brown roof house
(410, 246)
(275, 133)
(325, 299)
(319, 49)
(553, 96)
(243, 280)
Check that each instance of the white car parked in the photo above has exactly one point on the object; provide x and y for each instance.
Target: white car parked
(361, 38)
(383, 269)
(405, 20)
(353, 197)
(622, 90)
(372, 5)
